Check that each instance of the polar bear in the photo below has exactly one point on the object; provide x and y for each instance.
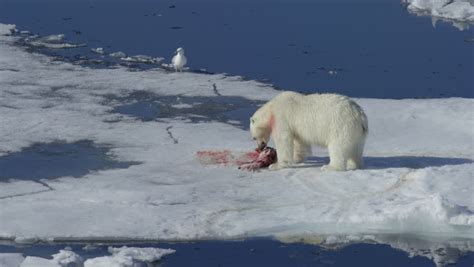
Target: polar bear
(296, 121)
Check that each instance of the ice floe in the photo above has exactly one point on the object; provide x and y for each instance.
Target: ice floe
(32, 261)
(419, 176)
(118, 54)
(141, 59)
(67, 258)
(460, 12)
(7, 29)
(98, 50)
(54, 41)
(121, 257)
(64, 258)
(140, 254)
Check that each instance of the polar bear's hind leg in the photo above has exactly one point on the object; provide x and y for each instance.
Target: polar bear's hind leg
(337, 158)
(356, 160)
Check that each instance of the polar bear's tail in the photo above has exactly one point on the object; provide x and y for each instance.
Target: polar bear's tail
(361, 117)
(355, 159)
(365, 122)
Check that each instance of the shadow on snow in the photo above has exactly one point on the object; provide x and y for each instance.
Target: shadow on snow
(412, 162)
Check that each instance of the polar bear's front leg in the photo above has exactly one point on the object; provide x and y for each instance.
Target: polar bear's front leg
(300, 151)
(284, 147)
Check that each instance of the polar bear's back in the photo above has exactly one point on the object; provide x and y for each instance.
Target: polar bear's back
(321, 118)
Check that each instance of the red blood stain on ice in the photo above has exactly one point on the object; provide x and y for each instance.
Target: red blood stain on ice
(214, 157)
(249, 156)
(247, 161)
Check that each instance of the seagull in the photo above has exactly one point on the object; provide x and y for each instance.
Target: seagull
(179, 60)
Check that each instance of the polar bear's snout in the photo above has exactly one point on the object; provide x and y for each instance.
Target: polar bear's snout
(262, 145)
(261, 142)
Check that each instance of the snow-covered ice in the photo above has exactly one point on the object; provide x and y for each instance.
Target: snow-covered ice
(67, 258)
(141, 254)
(118, 54)
(54, 41)
(121, 257)
(110, 261)
(32, 261)
(98, 50)
(7, 29)
(11, 259)
(419, 157)
(18, 188)
(64, 258)
(460, 12)
(140, 59)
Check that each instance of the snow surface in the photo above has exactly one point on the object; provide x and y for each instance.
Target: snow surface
(32, 261)
(7, 29)
(11, 259)
(118, 54)
(64, 258)
(98, 50)
(54, 41)
(140, 59)
(18, 188)
(67, 258)
(459, 11)
(109, 261)
(419, 156)
(141, 254)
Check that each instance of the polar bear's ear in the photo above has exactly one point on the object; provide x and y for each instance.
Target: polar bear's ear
(252, 120)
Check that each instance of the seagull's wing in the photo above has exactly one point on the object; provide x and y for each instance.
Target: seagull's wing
(173, 60)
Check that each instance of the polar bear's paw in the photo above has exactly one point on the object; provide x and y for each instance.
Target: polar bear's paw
(278, 166)
(274, 167)
(329, 167)
(325, 167)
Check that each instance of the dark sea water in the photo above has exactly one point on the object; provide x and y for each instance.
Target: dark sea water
(370, 49)
(258, 252)
(363, 48)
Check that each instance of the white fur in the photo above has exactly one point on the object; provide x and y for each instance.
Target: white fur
(179, 60)
(328, 120)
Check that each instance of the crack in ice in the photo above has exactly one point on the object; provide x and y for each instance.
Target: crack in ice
(170, 134)
(49, 189)
(214, 88)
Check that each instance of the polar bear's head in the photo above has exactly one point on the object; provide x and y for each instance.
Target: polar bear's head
(260, 130)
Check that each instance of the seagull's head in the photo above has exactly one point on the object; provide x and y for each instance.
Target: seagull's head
(180, 51)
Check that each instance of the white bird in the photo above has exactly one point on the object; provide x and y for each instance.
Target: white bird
(179, 60)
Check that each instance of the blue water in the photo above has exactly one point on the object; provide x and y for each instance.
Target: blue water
(372, 48)
(260, 252)
(53, 160)
(228, 109)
